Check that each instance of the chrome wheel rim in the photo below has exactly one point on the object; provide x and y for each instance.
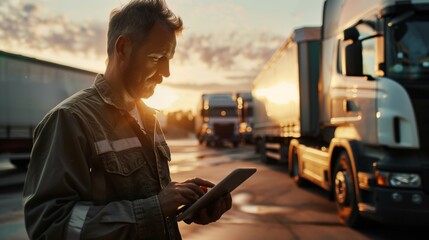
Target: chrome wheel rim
(341, 187)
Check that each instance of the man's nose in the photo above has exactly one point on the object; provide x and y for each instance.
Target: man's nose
(164, 69)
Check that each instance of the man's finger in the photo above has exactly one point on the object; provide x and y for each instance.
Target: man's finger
(195, 188)
(201, 182)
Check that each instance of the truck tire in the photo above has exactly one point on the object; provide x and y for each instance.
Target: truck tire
(296, 175)
(344, 191)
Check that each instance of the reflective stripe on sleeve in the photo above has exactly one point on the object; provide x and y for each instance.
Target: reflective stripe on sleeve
(77, 220)
(104, 146)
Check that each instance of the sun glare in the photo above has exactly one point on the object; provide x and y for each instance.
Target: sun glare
(162, 99)
(282, 93)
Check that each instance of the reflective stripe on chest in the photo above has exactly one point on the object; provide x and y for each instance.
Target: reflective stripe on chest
(104, 146)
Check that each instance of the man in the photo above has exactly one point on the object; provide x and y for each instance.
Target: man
(99, 165)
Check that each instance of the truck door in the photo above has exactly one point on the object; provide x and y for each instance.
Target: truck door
(359, 49)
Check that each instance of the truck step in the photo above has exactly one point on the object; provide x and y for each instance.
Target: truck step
(273, 146)
(273, 155)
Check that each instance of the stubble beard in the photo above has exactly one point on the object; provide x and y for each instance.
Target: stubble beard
(145, 91)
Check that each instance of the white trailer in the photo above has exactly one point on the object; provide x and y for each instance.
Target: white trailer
(216, 120)
(29, 88)
(285, 104)
(348, 110)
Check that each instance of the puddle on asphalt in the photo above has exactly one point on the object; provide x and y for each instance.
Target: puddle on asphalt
(191, 142)
(177, 168)
(242, 200)
(259, 209)
(180, 157)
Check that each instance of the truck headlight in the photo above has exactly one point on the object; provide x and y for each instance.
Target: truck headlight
(209, 131)
(407, 180)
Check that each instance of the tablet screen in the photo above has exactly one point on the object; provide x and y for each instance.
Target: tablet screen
(227, 185)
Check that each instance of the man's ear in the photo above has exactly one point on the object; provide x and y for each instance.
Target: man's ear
(123, 47)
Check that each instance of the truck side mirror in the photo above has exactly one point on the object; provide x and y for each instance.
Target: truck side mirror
(351, 34)
(353, 59)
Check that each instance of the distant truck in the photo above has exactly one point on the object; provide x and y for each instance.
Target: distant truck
(245, 115)
(29, 88)
(216, 121)
(346, 107)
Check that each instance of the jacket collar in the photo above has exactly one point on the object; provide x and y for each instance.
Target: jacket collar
(114, 98)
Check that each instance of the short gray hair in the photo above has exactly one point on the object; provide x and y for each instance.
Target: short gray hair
(137, 18)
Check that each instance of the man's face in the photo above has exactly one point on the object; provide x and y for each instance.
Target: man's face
(149, 61)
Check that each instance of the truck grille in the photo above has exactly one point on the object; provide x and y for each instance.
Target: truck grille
(419, 94)
(420, 98)
(422, 117)
(224, 131)
(425, 180)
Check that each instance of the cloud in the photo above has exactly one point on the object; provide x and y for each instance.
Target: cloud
(29, 25)
(229, 51)
(234, 57)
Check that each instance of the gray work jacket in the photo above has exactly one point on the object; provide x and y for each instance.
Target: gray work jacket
(95, 174)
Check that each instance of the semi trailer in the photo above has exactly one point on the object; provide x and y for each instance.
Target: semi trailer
(29, 88)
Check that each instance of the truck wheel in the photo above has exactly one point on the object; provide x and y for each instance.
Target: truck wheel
(345, 194)
(300, 182)
(235, 144)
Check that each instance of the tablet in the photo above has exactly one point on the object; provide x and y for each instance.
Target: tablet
(227, 185)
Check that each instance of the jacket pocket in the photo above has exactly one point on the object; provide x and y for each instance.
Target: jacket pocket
(123, 163)
(128, 175)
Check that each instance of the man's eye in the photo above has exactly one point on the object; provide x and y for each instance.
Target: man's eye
(156, 59)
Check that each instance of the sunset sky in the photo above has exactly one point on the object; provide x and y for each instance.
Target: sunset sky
(224, 46)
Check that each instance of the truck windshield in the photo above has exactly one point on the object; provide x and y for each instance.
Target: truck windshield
(222, 112)
(408, 48)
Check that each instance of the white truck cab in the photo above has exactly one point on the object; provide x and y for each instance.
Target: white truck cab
(217, 119)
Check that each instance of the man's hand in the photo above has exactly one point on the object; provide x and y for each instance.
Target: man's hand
(177, 194)
(213, 212)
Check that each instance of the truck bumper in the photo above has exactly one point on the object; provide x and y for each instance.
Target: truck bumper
(215, 138)
(406, 206)
(396, 206)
